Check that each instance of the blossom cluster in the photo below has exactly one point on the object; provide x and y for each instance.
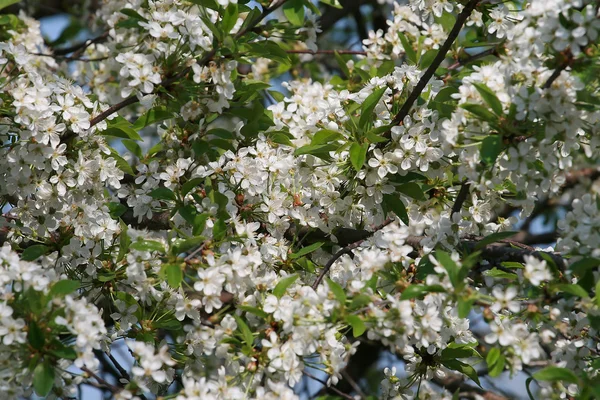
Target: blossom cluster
(261, 234)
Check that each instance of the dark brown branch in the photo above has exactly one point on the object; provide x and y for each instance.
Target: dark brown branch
(337, 391)
(168, 82)
(457, 383)
(346, 250)
(80, 47)
(492, 51)
(461, 197)
(498, 252)
(439, 58)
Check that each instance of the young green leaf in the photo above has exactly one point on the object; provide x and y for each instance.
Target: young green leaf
(357, 324)
(489, 97)
(553, 374)
(491, 147)
(43, 378)
(358, 155)
(337, 290)
(367, 107)
(283, 284)
(294, 12)
(306, 250)
(34, 252)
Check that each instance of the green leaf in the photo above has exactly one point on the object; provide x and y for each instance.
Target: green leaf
(306, 250)
(573, 289)
(393, 203)
(283, 284)
(269, 49)
(184, 245)
(325, 136)
(253, 310)
(342, 64)
(131, 13)
(168, 322)
(449, 265)
(367, 107)
(459, 351)
(116, 209)
(64, 287)
(34, 252)
(332, 3)
(219, 230)
(147, 245)
(35, 336)
(337, 290)
(121, 128)
(464, 307)
(133, 147)
(294, 12)
(357, 324)
(230, 17)
(318, 150)
(553, 374)
(489, 97)
(62, 351)
(494, 237)
(491, 147)
(121, 163)
(174, 275)
(420, 291)
(480, 111)
(43, 378)
(463, 368)
(408, 49)
(152, 116)
(358, 155)
(124, 240)
(427, 58)
(498, 273)
(6, 3)
(413, 190)
(245, 331)
(163, 193)
(495, 361)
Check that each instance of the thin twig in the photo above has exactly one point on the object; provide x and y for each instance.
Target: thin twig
(354, 385)
(81, 46)
(346, 250)
(339, 392)
(101, 381)
(492, 51)
(167, 82)
(439, 58)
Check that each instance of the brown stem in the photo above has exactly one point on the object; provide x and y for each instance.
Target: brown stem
(461, 197)
(439, 58)
(339, 392)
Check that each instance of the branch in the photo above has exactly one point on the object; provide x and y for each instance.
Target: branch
(339, 392)
(80, 47)
(167, 82)
(439, 58)
(492, 51)
(461, 197)
(499, 252)
(346, 250)
(456, 383)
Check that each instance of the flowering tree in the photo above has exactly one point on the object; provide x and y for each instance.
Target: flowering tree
(238, 237)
